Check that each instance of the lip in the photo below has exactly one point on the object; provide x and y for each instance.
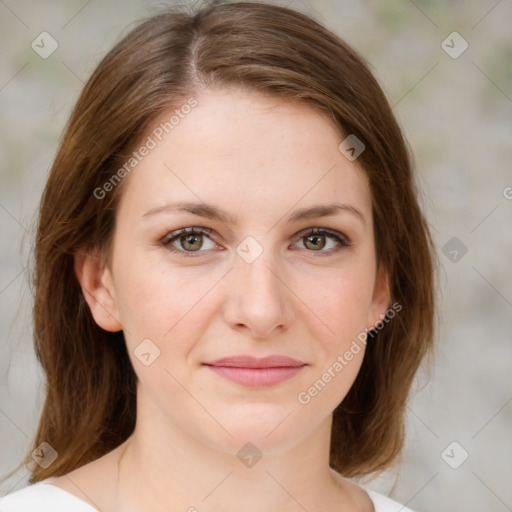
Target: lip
(243, 361)
(257, 372)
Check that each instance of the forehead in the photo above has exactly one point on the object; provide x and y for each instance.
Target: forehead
(255, 153)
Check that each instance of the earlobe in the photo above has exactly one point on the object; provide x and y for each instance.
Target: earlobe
(96, 282)
(381, 298)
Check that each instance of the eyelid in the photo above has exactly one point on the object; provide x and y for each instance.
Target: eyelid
(342, 240)
(333, 233)
(185, 231)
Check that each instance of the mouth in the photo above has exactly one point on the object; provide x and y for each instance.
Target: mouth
(257, 372)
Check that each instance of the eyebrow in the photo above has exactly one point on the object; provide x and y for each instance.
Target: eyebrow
(213, 212)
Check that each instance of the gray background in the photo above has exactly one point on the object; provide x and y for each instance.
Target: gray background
(457, 116)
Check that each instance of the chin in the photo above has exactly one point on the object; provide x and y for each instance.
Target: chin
(271, 433)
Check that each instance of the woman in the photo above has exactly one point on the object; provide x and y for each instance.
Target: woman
(233, 278)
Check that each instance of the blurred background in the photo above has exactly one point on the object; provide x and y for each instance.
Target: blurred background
(446, 68)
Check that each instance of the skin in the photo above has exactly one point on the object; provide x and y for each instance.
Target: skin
(260, 159)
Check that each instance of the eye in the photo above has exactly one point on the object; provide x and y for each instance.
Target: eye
(317, 239)
(188, 240)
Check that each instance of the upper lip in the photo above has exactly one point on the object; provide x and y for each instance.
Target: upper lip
(243, 361)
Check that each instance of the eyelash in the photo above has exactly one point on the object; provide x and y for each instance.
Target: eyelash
(174, 235)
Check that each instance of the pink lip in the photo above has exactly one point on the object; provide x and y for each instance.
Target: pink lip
(257, 372)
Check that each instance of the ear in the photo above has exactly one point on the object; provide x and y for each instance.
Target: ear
(381, 298)
(97, 286)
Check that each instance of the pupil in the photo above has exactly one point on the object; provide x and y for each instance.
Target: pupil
(314, 240)
(192, 237)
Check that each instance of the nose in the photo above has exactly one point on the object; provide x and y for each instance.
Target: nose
(258, 299)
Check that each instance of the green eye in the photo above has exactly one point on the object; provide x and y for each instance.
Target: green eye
(315, 239)
(188, 241)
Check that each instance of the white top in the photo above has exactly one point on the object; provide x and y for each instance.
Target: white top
(44, 497)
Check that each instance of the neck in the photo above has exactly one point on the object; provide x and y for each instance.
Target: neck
(161, 467)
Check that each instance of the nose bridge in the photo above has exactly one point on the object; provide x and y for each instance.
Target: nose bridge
(257, 297)
(258, 272)
(259, 276)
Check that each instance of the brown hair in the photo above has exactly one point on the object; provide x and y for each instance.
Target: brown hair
(90, 402)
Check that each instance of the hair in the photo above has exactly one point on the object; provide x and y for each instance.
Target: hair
(90, 393)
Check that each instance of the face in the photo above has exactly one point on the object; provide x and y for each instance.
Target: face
(263, 269)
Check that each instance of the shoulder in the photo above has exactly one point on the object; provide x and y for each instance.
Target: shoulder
(380, 502)
(43, 497)
(383, 503)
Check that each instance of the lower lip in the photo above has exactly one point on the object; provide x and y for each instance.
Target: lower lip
(256, 377)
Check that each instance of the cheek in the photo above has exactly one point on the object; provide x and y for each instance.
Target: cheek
(159, 302)
(341, 302)
(340, 299)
